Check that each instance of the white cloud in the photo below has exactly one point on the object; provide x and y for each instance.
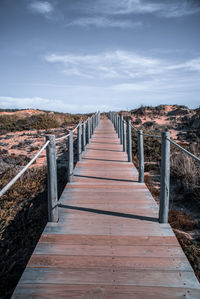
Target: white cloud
(116, 64)
(103, 22)
(168, 9)
(41, 7)
(52, 104)
(179, 9)
(119, 64)
(111, 13)
(131, 87)
(190, 65)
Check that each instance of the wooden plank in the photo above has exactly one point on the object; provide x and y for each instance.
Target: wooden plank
(145, 277)
(86, 262)
(105, 250)
(105, 240)
(99, 291)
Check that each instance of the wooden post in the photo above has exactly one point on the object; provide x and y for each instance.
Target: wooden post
(83, 137)
(92, 124)
(91, 127)
(70, 157)
(79, 145)
(118, 126)
(117, 123)
(129, 139)
(164, 178)
(121, 129)
(97, 119)
(88, 131)
(141, 156)
(124, 137)
(52, 179)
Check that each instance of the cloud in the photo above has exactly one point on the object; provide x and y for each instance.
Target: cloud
(132, 87)
(190, 65)
(116, 64)
(119, 65)
(52, 104)
(179, 9)
(111, 13)
(41, 7)
(104, 22)
(167, 8)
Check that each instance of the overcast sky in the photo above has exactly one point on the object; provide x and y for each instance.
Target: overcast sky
(85, 55)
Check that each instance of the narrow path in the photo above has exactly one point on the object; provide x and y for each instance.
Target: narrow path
(108, 242)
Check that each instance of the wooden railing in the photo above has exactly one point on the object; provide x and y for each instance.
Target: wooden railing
(85, 131)
(123, 129)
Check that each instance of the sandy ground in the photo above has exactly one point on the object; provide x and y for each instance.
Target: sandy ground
(28, 143)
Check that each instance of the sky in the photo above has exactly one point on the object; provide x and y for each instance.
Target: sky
(88, 55)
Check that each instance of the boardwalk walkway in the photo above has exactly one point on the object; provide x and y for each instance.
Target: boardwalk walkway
(108, 242)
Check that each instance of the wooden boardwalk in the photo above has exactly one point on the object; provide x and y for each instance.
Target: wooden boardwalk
(108, 242)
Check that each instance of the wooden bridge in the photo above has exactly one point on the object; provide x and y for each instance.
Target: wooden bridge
(108, 242)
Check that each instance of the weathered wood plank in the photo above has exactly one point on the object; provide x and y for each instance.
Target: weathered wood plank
(145, 277)
(86, 262)
(101, 291)
(107, 240)
(103, 250)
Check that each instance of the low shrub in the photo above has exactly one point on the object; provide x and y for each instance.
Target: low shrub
(181, 220)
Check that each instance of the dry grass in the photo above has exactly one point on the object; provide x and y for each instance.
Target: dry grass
(182, 221)
(183, 166)
(23, 215)
(45, 121)
(154, 191)
(191, 250)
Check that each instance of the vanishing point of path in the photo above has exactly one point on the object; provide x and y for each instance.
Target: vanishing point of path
(108, 242)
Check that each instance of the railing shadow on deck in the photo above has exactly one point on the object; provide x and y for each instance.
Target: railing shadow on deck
(106, 142)
(111, 213)
(95, 137)
(107, 179)
(97, 159)
(102, 149)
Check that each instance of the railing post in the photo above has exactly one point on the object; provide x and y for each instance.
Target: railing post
(141, 156)
(52, 179)
(121, 129)
(79, 146)
(70, 157)
(88, 131)
(118, 126)
(96, 120)
(116, 123)
(83, 137)
(164, 178)
(92, 125)
(129, 139)
(124, 137)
